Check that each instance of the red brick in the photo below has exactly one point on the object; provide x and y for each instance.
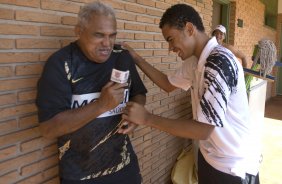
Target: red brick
(143, 36)
(13, 84)
(35, 144)
(135, 8)
(161, 5)
(6, 71)
(17, 110)
(14, 57)
(135, 27)
(56, 31)
(26, 96)
(125, 16)
(164, 45)
(6, 14)
(13, 29)
(157, 21)
(27, 43)
(153, 28)
(154, 12)
(41, 177)
(120, 25)
(20, 136)
(169, 60)
(125, 35)
(37, 17)
(159, 37)
(145, 19)
(29, 69)
(145, 53)
(10, 177)
(160, 52)
(149, 3)
(8, 126)
(60, 6)
(69, 20)
(6, 99)
(44, 56)
(7, 43)
(136, 45)
(28, 121)
(55, 180)
(114, 4)
(29, 3)
(153, 45)
(40, 165)
(19, 161)
(7, 153)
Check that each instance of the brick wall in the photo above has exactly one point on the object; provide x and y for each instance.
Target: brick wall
(246, 37)
(31, 30)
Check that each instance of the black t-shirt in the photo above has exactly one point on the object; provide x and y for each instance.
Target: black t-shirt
(70, 80)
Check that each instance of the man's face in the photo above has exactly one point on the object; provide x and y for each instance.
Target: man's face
(180, 41)
(97, 38)
(220, 36)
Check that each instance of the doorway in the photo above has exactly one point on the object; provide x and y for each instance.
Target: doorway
(221, 15)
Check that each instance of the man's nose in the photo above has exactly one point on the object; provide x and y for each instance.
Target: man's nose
(106, 41)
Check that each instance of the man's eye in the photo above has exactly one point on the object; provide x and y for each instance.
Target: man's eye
(98, 35)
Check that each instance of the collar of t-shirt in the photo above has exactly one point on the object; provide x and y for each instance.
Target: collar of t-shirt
(212, 43)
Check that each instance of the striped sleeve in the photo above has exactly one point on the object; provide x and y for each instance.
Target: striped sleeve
(220, 81)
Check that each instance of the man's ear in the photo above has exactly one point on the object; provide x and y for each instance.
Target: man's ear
(77, 30)
(189, 28)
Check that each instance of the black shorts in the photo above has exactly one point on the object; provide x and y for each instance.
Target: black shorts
(128, 175)
(209, 175)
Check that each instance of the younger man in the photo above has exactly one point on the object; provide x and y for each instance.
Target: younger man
(228, 147)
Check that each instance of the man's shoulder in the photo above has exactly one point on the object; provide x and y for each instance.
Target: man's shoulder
(221, 57)
(121, 54)
(63, 53)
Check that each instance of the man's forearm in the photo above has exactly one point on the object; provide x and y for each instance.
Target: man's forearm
(186, 128)
(154, 74)
(70, 120)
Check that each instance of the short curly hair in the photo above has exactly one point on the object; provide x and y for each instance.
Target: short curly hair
(178, 15)
(97, 8)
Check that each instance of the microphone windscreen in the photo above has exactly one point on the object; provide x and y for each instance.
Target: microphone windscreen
(120, 71)
(122, 62)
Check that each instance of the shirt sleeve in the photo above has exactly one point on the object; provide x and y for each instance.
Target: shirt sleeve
(53, 90)
(220, 81)
(183, 76)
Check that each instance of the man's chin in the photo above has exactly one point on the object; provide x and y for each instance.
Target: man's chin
(100, 59)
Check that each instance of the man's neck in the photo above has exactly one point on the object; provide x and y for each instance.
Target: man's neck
(202, 40)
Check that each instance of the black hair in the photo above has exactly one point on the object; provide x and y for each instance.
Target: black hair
(178, 15)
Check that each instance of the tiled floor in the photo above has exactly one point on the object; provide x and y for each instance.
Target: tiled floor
(270, 171)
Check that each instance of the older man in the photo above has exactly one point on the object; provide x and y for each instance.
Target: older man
(79, 105)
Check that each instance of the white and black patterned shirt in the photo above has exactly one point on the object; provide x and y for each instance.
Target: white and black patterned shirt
(219, 98)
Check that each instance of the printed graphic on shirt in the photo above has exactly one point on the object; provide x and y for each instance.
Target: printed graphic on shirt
(84, 99)
(220, 76)
(125, 160)
(64, 148)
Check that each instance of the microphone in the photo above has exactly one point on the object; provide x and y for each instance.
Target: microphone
(120, 72)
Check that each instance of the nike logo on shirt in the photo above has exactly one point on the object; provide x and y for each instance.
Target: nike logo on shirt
(76, 80)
